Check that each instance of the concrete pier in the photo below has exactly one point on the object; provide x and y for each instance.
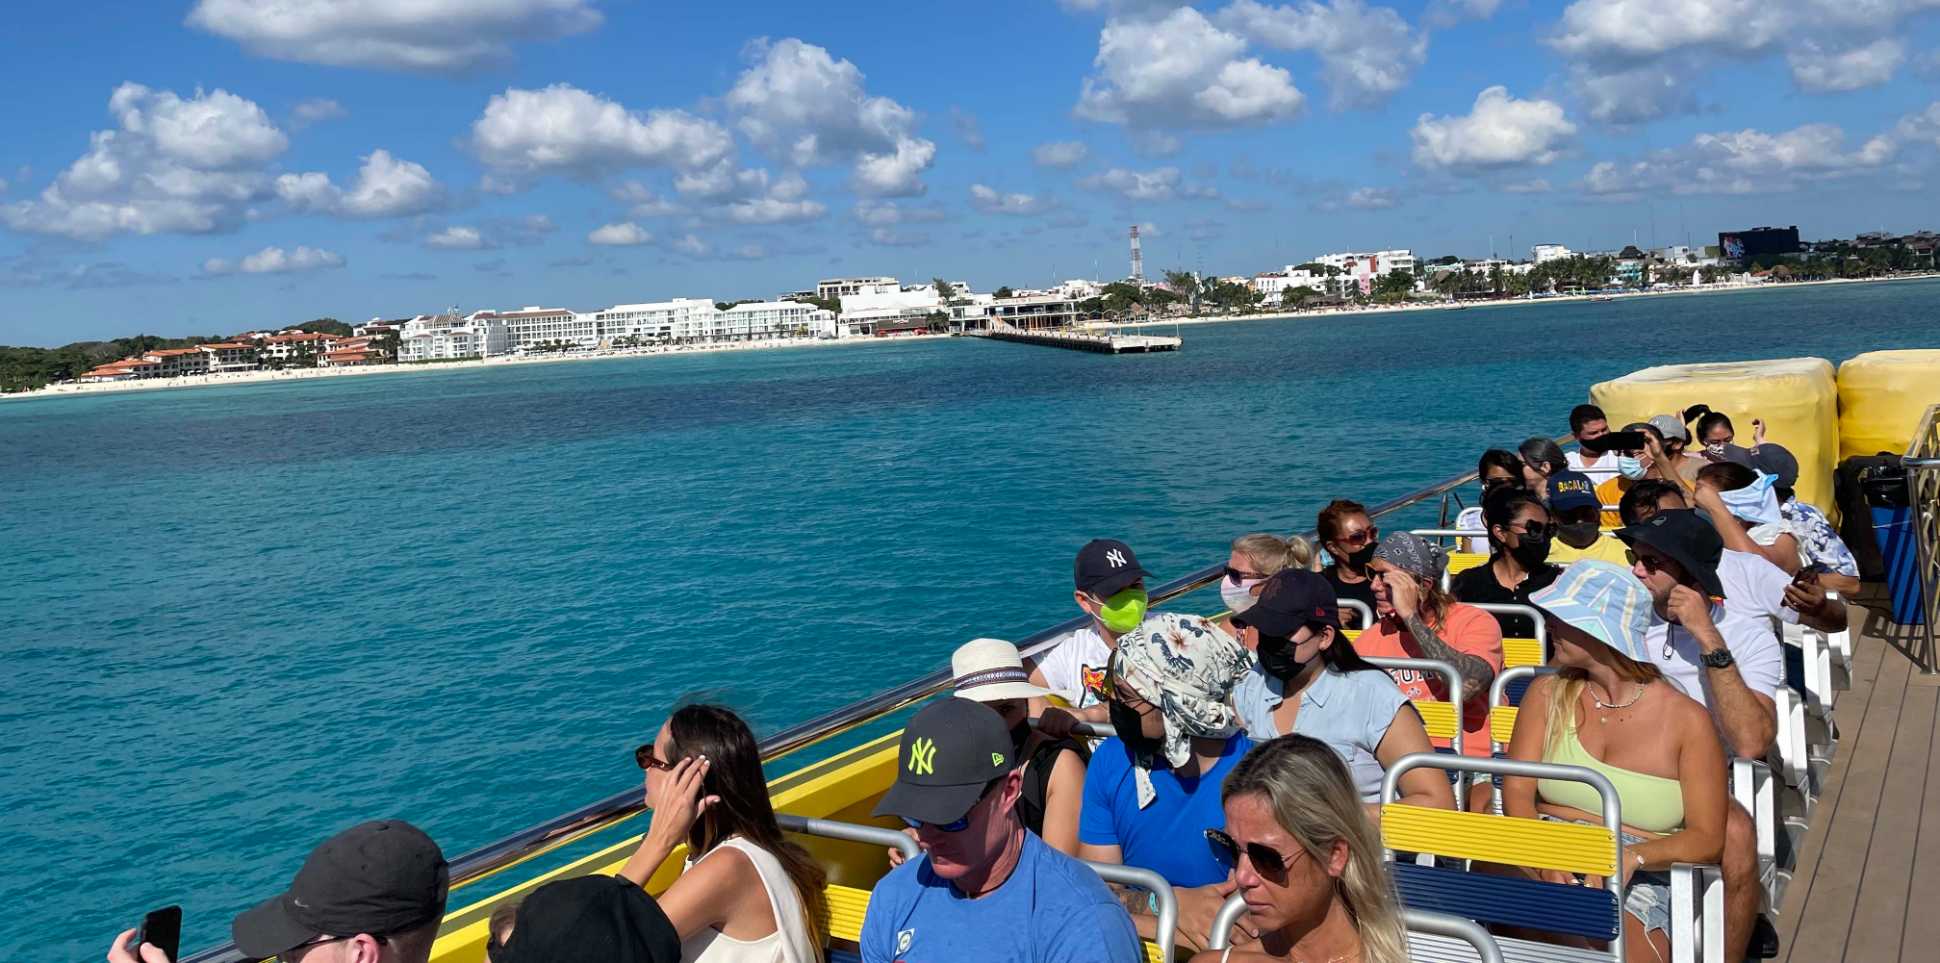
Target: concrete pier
(1083, 340)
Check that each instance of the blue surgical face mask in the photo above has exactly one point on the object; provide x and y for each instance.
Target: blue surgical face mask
(1629, 467)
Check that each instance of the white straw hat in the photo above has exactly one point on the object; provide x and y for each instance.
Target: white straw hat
(987, 670)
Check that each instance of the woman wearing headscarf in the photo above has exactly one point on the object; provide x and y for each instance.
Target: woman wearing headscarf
(1152, 790)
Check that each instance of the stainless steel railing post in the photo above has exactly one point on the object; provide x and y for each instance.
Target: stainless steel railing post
(1922, 462)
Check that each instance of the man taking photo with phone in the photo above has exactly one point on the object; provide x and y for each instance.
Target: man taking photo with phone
(374, 893)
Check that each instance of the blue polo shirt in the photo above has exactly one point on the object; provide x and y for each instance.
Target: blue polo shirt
(1167, 837)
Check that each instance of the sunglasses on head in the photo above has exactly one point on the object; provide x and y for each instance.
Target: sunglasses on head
(1266, 860)
(961, 823)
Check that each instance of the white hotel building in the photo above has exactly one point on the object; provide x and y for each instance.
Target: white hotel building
(444, 337)
(535, 325)
(682, 320)
(774, 319)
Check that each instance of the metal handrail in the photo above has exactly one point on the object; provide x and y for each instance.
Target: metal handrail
(1922, 463)
(1224, 920)
(602, 813)
(1365, 610)
(850, 832)
(1466, 930)
(1534, 614)
(1162, 893)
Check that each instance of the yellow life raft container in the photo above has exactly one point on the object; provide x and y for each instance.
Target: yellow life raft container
(1797, 399)
(1882, 396)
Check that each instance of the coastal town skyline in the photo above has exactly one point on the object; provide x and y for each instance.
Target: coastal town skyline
(242, 158)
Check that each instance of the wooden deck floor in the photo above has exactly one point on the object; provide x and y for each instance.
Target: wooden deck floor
(1866, 887)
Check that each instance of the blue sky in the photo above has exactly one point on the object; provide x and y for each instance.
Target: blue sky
(216, 165)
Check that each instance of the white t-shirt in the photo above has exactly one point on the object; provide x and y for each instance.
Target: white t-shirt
(1753, 586)
(1074, 669)
(1760, 661)
(1604, 469)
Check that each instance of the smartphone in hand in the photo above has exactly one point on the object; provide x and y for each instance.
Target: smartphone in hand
(163, 930)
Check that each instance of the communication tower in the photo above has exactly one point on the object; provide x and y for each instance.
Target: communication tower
(1138, 260)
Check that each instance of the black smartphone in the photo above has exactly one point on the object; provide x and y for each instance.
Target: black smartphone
(1616, 441)
(163, 930)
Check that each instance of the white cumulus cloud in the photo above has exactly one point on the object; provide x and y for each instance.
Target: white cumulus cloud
(1499, 131)
(1366, 53)
(275, 260)
(1159, 184)
(1059, 153)
(432, 35)
(774, 210)
(693, 246)
(1821, 68)
(564, 129)
(1747, 161)
(1182, 71)
(386, 186)
(458, 237)
(316, 110)
(170, 165)
(799, 103)
(989, 200)
(623, 234)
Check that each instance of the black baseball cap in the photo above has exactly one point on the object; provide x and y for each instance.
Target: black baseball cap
(603, 918)
(382, 877)
(1104, 567)
(1777, 461)
(951, 750)
(1289, 599)
(1686, 536)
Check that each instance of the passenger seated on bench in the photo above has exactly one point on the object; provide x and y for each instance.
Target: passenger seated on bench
(1253, 558)
(1152, 790)
(989, 671)
(1820, 547)
(985, 888)
(592, 919)
(1541, 458)
(746, 892)
(1109, 586)
(1308, 864)
(1350, 538)
(1498, 469)
(1729, 662)
(1609, 709)
(1519, 538)
(1578, 514)
(1754, 584)
(1747, 495)
(1307, 679)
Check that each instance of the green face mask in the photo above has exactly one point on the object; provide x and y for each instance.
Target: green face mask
(1123, 612)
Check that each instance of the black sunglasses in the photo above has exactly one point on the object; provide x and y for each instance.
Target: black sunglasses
(1545, 530)
(1239, 576)
(647, 760)
(1265, 859)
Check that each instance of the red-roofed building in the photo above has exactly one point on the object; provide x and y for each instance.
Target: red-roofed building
(127, 369)
(176, 362)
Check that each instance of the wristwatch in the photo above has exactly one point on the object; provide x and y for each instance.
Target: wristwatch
(1720, 659)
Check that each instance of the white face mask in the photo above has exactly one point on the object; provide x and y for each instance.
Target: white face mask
(1238, 596)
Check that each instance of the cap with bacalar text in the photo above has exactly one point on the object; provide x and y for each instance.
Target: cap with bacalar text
(1688, 539)
(1571, 490)
(1105, 566)
(1288, 600)
(381, 878)
(950, 751)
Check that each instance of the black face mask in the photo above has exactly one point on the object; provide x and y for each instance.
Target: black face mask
(1130, 728)
(1020, 734)
(1360, 557)
(1577, 534)
(1531, 551)
(1277, 658)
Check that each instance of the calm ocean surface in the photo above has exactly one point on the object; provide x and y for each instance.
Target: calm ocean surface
(239, 619)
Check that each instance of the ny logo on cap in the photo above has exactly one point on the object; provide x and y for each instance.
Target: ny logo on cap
(1116, 558)
(922, 756)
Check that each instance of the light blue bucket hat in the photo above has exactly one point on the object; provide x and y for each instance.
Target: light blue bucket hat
(1604, 600)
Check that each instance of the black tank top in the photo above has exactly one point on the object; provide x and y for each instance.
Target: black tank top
(1037, 778)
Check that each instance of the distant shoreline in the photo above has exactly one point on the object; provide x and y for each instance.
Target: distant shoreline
(1521, 302)
(240, 378)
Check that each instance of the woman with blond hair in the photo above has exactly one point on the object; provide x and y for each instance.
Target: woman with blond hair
(1306, 859)
(1255, 558)
(1609, 709)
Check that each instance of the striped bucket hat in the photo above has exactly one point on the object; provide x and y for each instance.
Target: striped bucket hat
(1604, 600)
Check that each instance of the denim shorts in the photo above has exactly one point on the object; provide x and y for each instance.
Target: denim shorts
(1648, 897)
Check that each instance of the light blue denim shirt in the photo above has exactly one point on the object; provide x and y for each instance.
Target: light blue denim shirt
(1348, 711)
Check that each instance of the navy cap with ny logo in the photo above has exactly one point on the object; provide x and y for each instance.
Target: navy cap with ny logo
(950, 751)
(1104, 567)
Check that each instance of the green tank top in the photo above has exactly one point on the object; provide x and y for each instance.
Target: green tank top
(1650, 803)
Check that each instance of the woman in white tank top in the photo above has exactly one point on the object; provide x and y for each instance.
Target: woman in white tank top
(746, 894)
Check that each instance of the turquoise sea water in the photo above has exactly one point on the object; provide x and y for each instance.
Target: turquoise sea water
(239, 619)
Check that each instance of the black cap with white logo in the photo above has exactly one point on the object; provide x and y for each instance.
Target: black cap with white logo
(381, 878)
(951, 750)
(1290, 599)
(1104, 567)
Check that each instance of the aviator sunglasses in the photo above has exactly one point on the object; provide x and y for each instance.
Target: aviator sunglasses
(1265, 859)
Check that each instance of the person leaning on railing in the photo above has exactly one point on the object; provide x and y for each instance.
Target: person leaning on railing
(1308, 864)
(747, 892)
(1609, 709)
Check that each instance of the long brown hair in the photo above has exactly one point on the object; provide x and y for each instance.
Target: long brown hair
(734, 774)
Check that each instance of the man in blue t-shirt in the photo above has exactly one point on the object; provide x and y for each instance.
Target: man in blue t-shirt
(1152, 791)
(986, 888)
